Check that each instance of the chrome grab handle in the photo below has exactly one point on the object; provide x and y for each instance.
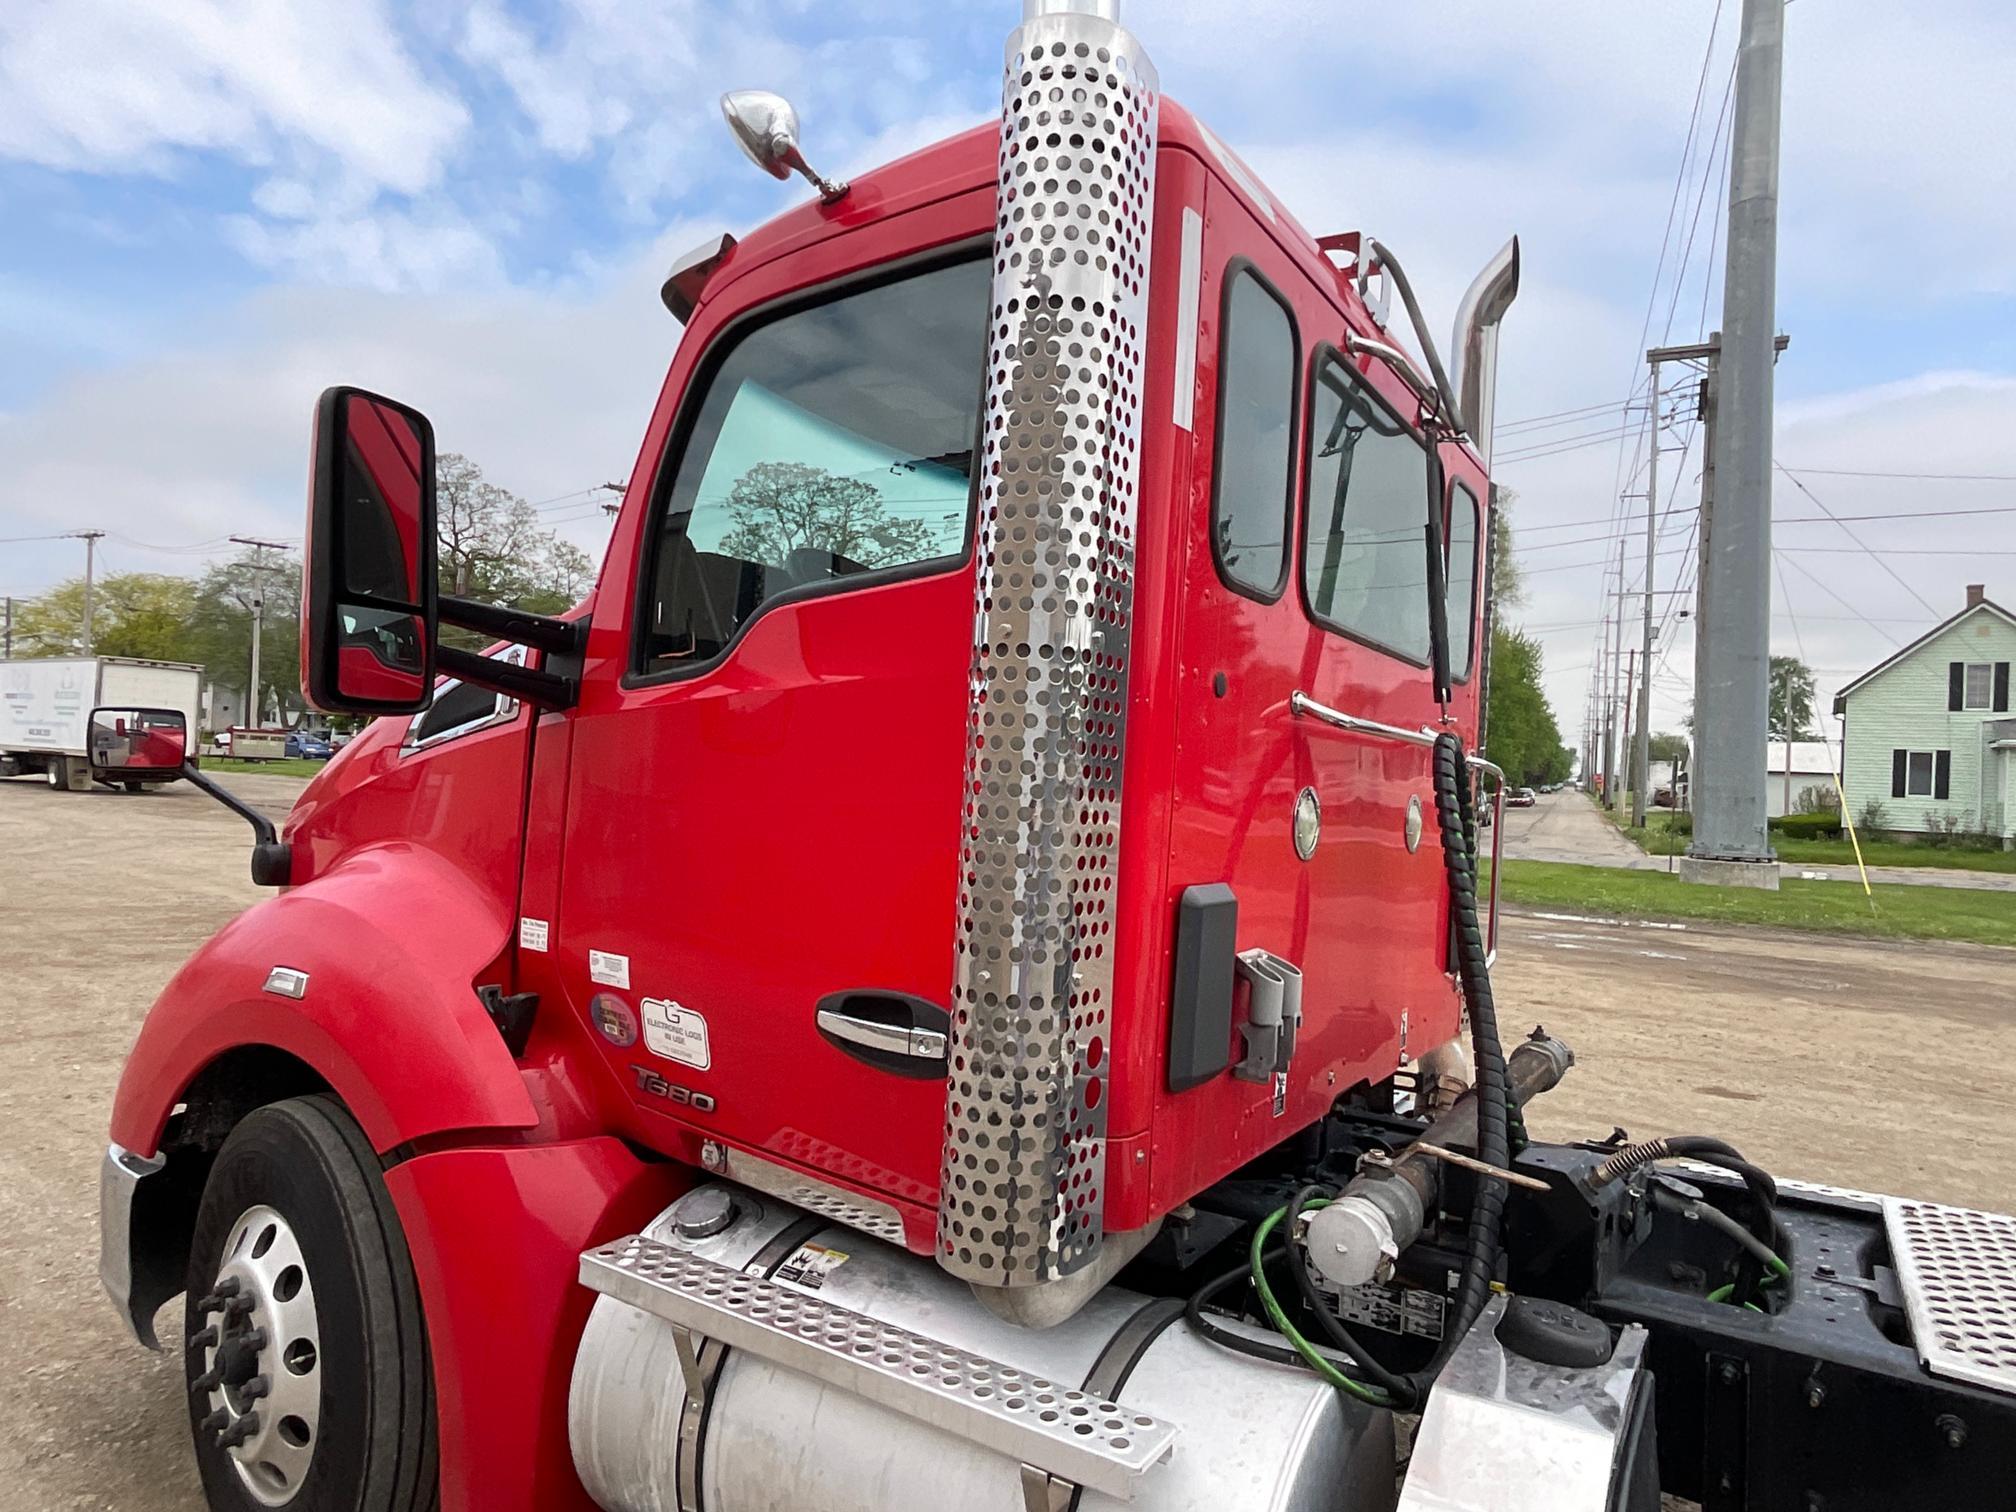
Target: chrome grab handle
(871, 1034)
(1479, 764)
(1301, 703)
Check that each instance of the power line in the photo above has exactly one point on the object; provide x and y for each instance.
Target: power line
(1921, 477)
(1892, 571)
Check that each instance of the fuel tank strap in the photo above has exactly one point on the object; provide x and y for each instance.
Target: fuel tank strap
(1071, 1434)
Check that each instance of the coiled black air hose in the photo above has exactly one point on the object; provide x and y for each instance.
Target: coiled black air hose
(1453, 811)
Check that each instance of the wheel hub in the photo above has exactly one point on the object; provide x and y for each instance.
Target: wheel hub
(260, 1350)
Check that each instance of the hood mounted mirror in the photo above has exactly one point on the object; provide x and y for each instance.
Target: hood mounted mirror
(766, 126)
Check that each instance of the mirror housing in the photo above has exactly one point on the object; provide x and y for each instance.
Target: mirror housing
(126, 743)
(766, 127)
(370, 615)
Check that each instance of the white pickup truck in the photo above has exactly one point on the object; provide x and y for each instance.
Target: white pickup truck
(46, 704)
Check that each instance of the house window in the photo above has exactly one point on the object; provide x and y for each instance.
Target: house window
(1980, 684)
(1921, 774)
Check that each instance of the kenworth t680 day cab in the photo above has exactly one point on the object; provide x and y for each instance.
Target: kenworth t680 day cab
(959, 978)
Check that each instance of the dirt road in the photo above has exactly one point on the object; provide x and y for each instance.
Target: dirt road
(1873, 1065)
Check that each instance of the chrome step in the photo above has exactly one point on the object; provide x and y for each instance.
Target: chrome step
(1070, 1434)
(1957, 1269)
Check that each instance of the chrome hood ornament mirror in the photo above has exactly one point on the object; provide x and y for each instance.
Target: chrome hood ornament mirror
(766, 125)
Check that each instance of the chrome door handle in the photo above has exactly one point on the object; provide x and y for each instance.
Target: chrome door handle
(891, 1039)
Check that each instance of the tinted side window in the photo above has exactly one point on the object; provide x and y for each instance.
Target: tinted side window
(832, 441)
(1462, 580)
(1257, 363)
(1365, 554)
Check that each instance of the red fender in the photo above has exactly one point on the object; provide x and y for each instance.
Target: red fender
(392, 938)
(497, 1236)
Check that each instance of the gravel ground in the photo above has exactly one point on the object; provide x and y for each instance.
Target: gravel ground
(1880, 1065)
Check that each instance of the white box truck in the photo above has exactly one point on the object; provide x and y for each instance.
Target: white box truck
(46, 704)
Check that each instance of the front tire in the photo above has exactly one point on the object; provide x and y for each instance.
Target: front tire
(310, 1384)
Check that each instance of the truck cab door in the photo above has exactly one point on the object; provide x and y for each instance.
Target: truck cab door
(763, 807)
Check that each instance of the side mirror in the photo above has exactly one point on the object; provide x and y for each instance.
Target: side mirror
(369, 614)
(136, 743)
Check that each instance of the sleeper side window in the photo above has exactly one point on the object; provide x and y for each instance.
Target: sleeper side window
(1251, 493)
(1461, 581)
(1365, 552)
(833, 442)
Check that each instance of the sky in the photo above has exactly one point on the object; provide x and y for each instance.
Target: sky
(212, 209)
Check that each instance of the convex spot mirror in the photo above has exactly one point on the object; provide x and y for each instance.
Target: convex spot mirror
(369, 614)
(130, 743)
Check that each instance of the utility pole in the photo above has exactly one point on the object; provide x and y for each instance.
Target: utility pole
(1630, 671)
(255, 710)
(90, 538)
(1731, 841)
(1641, 751)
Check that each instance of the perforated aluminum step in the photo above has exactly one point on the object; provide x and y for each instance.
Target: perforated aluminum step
(1957, 1268)
(1071, 1434)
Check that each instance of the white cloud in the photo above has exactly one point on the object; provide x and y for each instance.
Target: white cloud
(119, 86)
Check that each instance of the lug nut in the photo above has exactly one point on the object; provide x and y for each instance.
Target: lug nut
(239, 1431)
(255, 1388)
(207, 1382)
(204, 1338)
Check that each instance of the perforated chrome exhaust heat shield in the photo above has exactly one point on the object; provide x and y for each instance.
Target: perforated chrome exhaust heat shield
(1025, 1124)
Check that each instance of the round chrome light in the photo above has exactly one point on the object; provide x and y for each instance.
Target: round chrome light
(1308, 823)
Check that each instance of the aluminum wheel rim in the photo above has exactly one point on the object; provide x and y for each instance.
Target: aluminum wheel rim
(261, 1350)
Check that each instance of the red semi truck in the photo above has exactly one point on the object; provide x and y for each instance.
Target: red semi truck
(959, 977)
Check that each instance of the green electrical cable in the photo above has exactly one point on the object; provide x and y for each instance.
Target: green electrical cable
(1315, 1359)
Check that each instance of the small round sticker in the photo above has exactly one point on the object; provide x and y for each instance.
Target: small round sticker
(613, 1018)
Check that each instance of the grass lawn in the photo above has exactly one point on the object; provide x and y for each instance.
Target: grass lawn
(285, 766)
(1910, 913)
(1657, 840)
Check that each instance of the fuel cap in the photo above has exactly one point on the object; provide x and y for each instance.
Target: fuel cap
(705, 1213)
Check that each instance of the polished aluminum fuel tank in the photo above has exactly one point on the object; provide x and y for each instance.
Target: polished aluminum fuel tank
(765, 1438)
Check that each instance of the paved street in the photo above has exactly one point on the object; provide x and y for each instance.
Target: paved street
(1567, 826)
(1819, 1056)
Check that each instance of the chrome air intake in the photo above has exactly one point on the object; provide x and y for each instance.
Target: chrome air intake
(1025, 1122)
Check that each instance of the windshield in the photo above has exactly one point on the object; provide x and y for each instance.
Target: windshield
(833, 441)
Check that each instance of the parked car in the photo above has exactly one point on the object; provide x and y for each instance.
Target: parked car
(309, 744)
(1522, 797)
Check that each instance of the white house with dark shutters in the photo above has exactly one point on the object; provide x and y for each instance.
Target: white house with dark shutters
(1929, 733)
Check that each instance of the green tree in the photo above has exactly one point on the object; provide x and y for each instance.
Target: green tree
(1791, 699)
(782, 507)
(1524, 738)
(143, 614)
(1508, 582)
(490, 546)
(227, 598)
(1666, 747)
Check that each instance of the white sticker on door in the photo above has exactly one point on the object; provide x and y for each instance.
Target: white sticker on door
(531, 934)
(608, 968)
(679, 1034)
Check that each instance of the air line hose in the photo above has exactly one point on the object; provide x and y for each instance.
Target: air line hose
(1494, 1097)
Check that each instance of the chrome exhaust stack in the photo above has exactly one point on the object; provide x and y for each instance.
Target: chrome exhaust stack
(1475, 344)
(1023, 1178)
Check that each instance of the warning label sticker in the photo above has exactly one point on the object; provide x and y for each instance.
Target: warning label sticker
(810, 1265)
(531, 934)
(679, 1034)
(1392, 1309)
(608, 968)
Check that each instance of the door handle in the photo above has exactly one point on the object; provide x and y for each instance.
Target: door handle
(891, 1039)
(892, 1031)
